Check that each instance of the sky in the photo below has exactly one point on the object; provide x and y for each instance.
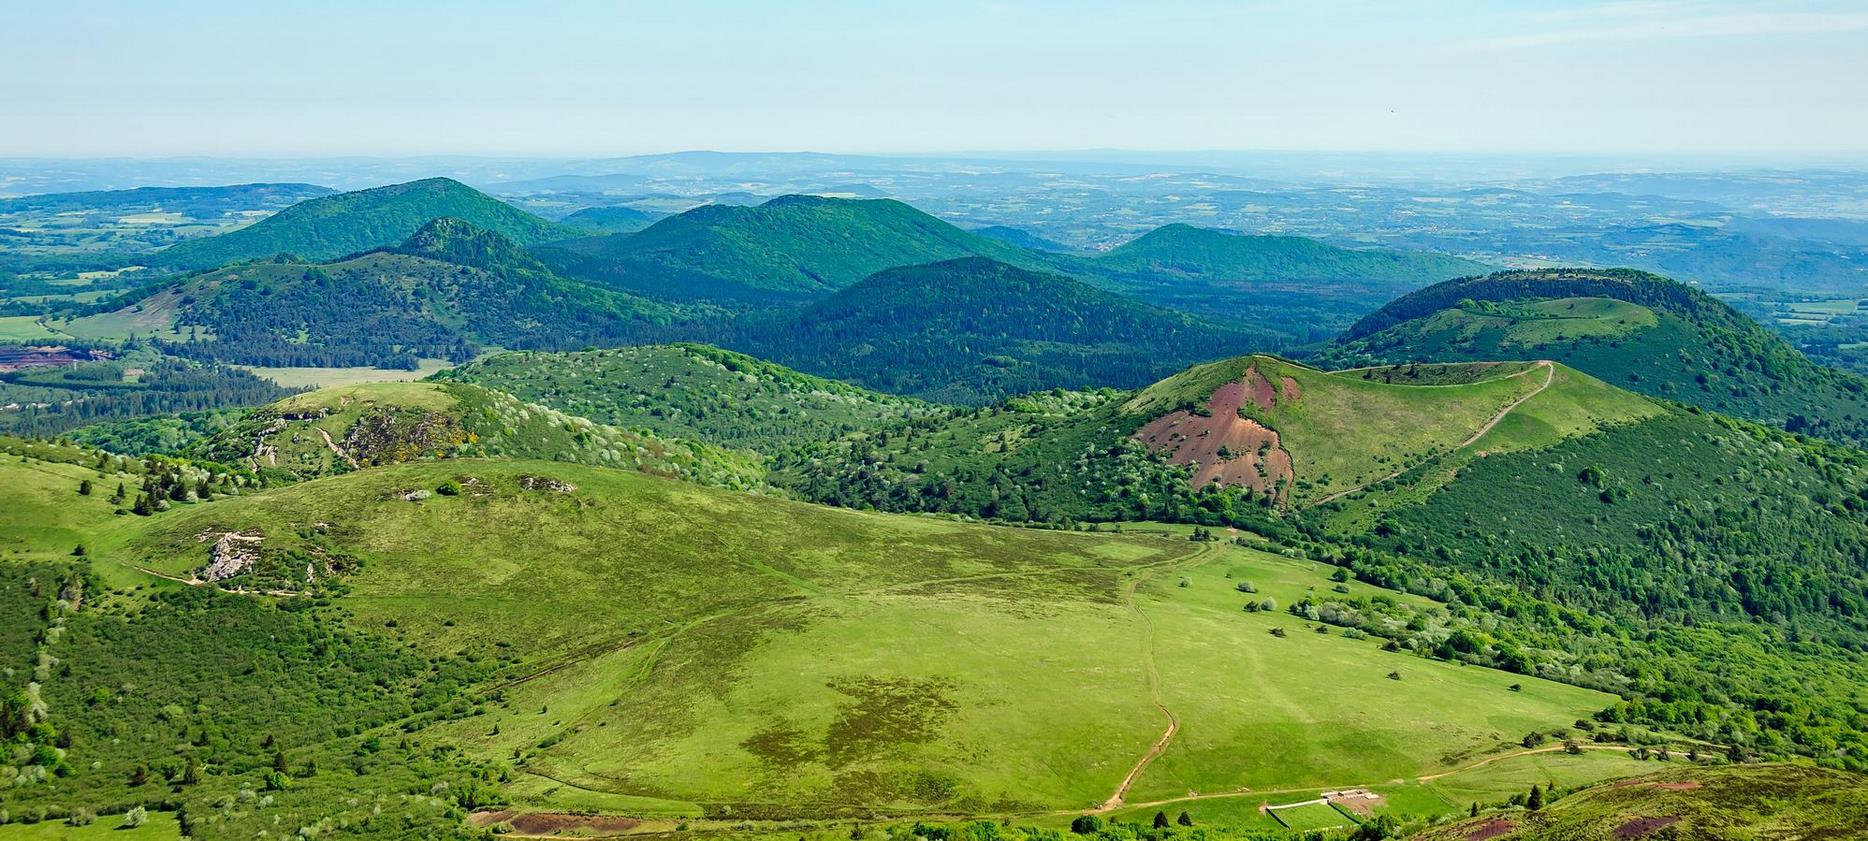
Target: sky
(587, 78)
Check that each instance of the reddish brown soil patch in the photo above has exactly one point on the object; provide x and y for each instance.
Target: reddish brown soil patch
(44, 356)
(1259, 389)
(1359, 801)
(1641, 827)
(1490, 829)
(549, 823)
(1290, 391)
(1226, 448)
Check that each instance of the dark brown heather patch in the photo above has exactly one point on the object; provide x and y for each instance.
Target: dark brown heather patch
(782, 746)
(882, 715)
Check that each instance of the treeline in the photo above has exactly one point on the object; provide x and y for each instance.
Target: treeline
(45, 405)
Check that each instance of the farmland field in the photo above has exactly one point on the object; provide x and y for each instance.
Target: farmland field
(24, 328)
(330, 377)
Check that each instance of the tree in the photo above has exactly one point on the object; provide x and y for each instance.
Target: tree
(1474, 811)
(1535, 800)
(84, 487)
(1161, 820)
(1086, 824)
(191, 773)
(1184, 819)
(278, 761)
(1380, 828)
(139, 775)
(136, 817)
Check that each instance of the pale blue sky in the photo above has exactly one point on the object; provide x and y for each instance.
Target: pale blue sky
(258, 77)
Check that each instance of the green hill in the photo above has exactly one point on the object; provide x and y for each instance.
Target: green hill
(1296, 284)
(972, 330)
(1224, 439)
(611, 220)
(447, 291)
(346, 428)
(694, 392)
(1640, 331)
(802, 244)
(335, 226)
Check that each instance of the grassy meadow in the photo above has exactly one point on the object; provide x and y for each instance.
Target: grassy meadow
(668, 649)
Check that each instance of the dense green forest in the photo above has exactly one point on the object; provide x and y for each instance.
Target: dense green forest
(694, 392)
(979, 330)
(445, 293)
(797, 243)
(141, 383)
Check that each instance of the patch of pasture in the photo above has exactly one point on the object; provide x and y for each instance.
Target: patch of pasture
(25, 328)
(304, 377)
(1259, 711)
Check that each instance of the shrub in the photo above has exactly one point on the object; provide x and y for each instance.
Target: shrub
(135, 817)
(1086, 824)
(449, 488)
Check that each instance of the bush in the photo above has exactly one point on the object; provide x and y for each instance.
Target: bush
(135, 817)
(449, 488)
(1086, 824)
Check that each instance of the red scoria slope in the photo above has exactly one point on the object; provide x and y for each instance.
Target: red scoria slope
(1223, 446)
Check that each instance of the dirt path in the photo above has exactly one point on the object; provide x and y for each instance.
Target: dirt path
(334, 448)
(196, 582)
(1246, 792)
(1550, 376)
(1160, 745)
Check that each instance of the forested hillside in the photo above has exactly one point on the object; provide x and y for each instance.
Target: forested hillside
(796, 243)
(694, 392)
(977, 330)
(336, 226)
(1640, 331)
(446, 292)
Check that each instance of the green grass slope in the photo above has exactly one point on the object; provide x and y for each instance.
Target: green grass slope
(773, 658)
(346, 428)
(329, 227)
(1636, 330)
(694, 392)
(447, 291)
(797, 243)
(973, 330)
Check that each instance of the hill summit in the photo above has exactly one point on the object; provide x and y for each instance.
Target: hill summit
(330, 227)
(797, 243)
(1638, 330)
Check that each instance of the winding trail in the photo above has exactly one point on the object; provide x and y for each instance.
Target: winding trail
(1160, 745)
(1550, 376)
(1497, 757)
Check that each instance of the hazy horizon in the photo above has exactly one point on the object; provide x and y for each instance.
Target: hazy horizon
(584, 79)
